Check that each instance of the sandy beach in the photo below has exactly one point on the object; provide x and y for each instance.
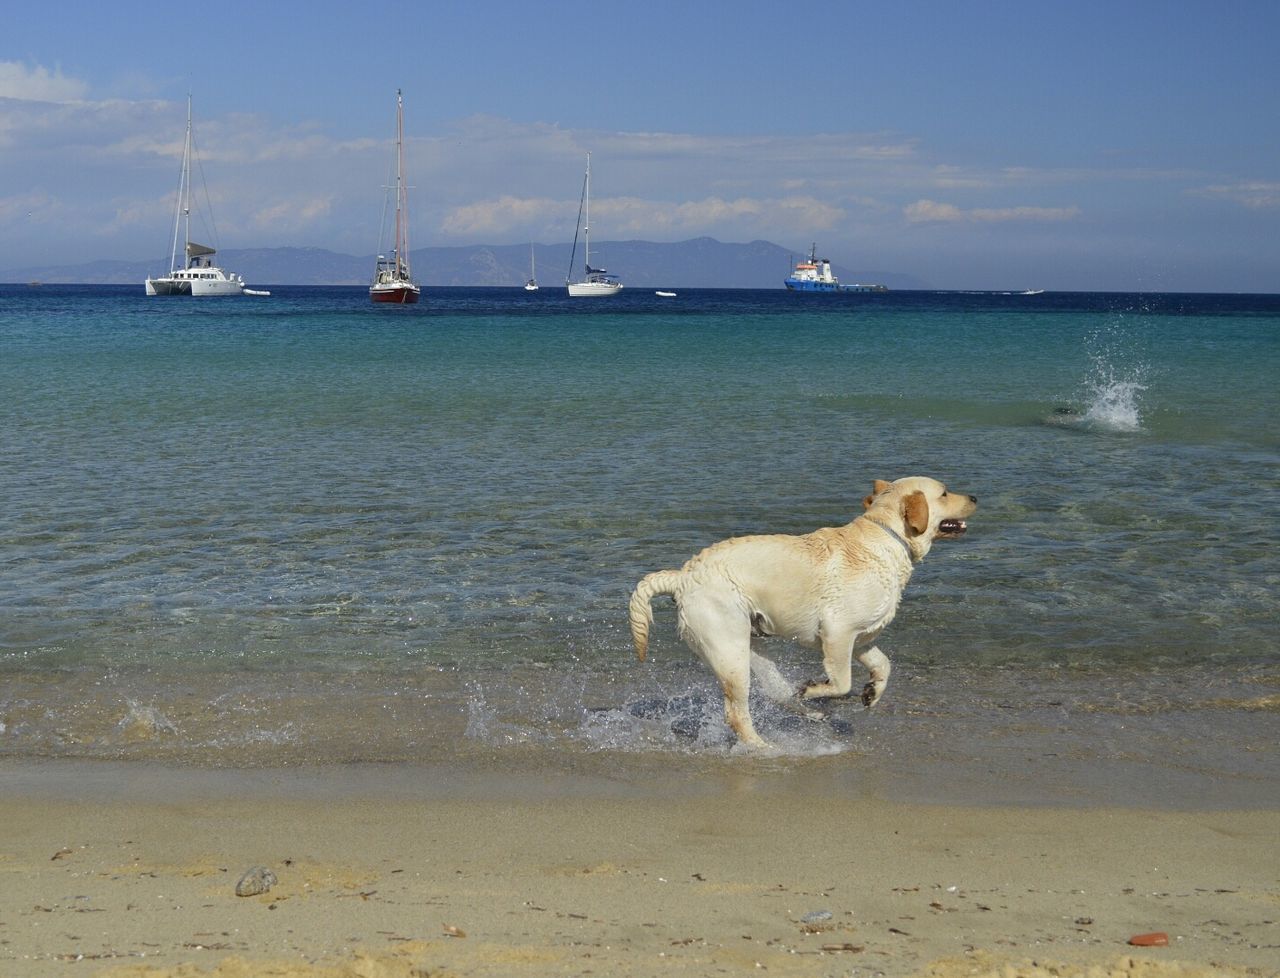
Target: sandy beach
(612, 868)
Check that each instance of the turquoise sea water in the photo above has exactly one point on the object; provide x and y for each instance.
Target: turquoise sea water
(302, 528)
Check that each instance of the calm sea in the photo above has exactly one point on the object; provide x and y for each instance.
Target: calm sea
(296, 529)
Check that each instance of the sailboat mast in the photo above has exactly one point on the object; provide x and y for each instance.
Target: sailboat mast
(578, 226)
(586, 228)
(402, 232)
(183, 216)
(186, 167)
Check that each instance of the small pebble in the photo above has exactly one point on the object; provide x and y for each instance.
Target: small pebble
(815, 917)
(255, 881)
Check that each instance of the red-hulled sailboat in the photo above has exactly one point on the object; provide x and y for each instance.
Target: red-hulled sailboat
(392, 279)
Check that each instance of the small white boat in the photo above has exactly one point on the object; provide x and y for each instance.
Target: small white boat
(392, 279)
(198, 275)
(532, 284)
(666, 295)
(597, 281)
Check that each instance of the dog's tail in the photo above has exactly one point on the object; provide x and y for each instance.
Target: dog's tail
(659, 582)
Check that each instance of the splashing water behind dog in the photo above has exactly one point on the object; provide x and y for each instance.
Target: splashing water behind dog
(1112, 400)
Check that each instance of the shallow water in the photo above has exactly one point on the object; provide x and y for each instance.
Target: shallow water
(300, 528)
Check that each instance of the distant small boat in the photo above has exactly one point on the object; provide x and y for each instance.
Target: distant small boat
(198, 275)
(815, 275)
(1034, 292)
(392, 278)
(597, 281)
(532, 284)
(666, 295)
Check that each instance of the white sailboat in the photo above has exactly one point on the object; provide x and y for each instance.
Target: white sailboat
(597, 281)
(532, 284)
(198, 275)
(392, 278)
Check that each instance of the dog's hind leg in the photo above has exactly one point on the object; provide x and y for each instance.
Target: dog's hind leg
(877, 664)
(718, 629)
(736, 684)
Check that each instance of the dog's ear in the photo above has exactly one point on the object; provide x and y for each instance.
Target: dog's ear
(877, 487)
(915, 511)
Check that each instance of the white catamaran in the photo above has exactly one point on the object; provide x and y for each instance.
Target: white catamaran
(198, 275)
(597, 281)
(392, 279)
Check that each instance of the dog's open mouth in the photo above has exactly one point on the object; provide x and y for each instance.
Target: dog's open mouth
(951, 528)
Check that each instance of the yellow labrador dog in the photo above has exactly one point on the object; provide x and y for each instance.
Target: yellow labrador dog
(836, 588)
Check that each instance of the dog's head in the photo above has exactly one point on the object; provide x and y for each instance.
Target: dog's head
(926, 509)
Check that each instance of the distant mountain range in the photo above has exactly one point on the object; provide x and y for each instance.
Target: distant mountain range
(699, 263)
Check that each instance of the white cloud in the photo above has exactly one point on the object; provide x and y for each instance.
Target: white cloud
(506, 213)
(37, 83)
(293, 215)
(27, 206)
(934, 212)
(140, 213)
(1256, 194)
(617, 217)
(930, 211)
(954, 178)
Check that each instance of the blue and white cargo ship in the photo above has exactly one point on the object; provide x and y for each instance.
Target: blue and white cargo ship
(815, 275)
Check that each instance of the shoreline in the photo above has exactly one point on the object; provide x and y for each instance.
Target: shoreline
(1172, 739)
(637, 866)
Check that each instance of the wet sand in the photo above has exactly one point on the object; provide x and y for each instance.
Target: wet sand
(620, 867)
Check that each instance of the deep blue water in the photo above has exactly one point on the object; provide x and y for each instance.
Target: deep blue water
(231, 525)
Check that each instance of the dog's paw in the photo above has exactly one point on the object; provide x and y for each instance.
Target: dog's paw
(759, 747)
(871, 694)
(816, 690)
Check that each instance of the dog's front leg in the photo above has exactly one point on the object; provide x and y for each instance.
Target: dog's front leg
(837, 660)
(877, 664)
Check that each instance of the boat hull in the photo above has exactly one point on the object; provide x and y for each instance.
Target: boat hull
(808, 286)
(167, 286)
(205, 282)
(401, 294)
(591, 289)
(217, 286)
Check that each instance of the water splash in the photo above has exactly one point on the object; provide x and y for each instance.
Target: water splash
(490, 725)
(1113, 401)
(144, 722)
(1111, 394)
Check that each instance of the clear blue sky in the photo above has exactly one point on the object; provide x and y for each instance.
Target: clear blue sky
(1074, 145)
